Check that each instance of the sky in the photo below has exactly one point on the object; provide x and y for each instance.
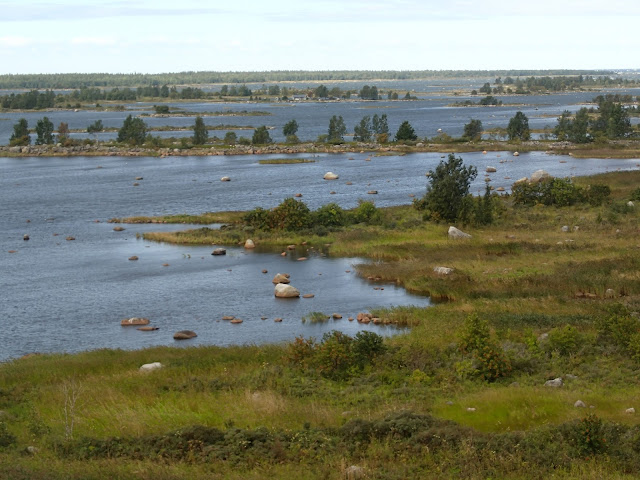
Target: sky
(72, 36)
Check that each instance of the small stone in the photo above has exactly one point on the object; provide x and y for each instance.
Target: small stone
(228, 317)
(337, 316)
(226, 179)
(579, 404)
(630, 410)
(291, 247)
(31, 450)
(136, 184)
(165, 264)
(443, 270)
(118, 229)
(302, 259)
(133, 258)
(609, 293)
(139, 178)
(330, 176)
(236, 321)
(471, 409)
(249, 244)
(70, 239)
(219, 251)
(265, 271)
(308, 295)
(455, 233)
(277, 320)
(565, 228)
(25, 237)
(372, 192)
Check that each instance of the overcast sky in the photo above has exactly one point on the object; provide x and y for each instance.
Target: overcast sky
(62, 36)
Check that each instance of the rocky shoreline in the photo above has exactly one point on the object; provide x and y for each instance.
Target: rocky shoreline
(108, 150)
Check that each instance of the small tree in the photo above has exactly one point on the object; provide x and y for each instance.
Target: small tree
(473, 130)
(133, 131)
(20, 134)
(449, 185)
(230, 138)
(337, 129)
(95, 127)
(290, 128)
(518, 128)
(44, 132)
(63, 132)
(200, 132)
(380, 127)
(261, 136)
(406, 132)
(362, 131)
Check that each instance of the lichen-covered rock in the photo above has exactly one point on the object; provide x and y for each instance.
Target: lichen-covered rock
(283, 290)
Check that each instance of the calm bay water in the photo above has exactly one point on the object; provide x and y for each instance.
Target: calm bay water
(69, 295)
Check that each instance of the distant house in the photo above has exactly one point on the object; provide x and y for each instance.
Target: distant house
(298, 98)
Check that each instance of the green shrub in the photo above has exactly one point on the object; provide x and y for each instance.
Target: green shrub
(300, 352)
(7, 439)
(290, 215)
(366, 347)
(330, 215)
(334, 356)
(474, 334)
(596, 195)
(491, 362)
(590, 437)
(366, 212)
(257, 218)
(565, 340)
(635, 195)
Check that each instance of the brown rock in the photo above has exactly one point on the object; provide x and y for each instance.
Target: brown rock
(302, 259)
(118, 229)
(308, 295)
(134, 321)
(133, 258)
(236, 321)
(281, 278)
(184, 335)
(228, 317)
(336, 316)
(148, 328)
(277, 320)
(70, 239)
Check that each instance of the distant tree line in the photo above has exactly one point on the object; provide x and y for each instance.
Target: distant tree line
(78, 80)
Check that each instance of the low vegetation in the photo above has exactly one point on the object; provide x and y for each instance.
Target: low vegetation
(461, 394)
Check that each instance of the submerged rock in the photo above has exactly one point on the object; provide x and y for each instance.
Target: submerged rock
(184, 335)
(137, 321)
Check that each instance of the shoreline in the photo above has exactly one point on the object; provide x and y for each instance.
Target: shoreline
(617, 149)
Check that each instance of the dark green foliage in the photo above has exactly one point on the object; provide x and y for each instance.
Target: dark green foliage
(635, 195)
(447, 189)
(230, 138)
(337, 129)
(290, 128)
(363, 130)
(474, 334)
(20, 136)
(574, 130)
(44, 131)
(489, 100)
(337, 356)
(200, 132)
(161, 109)
(597, 194)
(369, 93)
(380, 127)
(133, 131)
(473, 130)
(290, 215)
(63, 132)
(95, 127)
(613, 120)
(518, 128)
(330, 215)
(589, 437)
(554, 191)
(565, 340)
(406, 133)
(321, 91)
(366, 212)
(33, 100)
(7, 439)
(490, 361)
(261, 136)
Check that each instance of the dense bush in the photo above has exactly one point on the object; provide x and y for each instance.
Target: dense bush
(556, 191)
(294, 215)
(488, 360)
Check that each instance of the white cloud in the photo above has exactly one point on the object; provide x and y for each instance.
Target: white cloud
(10, 41)
(100, 41)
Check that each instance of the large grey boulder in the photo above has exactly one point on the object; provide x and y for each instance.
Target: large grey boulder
(539, 175)
(556, 382)
(283, 290)
(455, 233)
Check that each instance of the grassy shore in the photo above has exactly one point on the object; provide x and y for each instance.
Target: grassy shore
(460, 395)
